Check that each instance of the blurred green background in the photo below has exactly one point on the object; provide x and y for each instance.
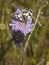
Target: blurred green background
(37, 52)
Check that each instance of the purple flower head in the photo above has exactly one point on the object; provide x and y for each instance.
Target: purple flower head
(25, 28)
(20, 27)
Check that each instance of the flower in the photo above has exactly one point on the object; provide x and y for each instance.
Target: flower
(25, 28)
(18, 11)
(18, 37)
(20, 26)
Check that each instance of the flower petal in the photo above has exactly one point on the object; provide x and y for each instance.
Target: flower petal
(18, 11)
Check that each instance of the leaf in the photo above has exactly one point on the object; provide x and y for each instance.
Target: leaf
(47, 63)
(2, 26)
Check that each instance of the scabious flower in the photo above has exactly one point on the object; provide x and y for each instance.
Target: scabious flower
(19, 27)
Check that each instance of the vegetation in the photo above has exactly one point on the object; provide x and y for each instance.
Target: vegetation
(37, 49)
